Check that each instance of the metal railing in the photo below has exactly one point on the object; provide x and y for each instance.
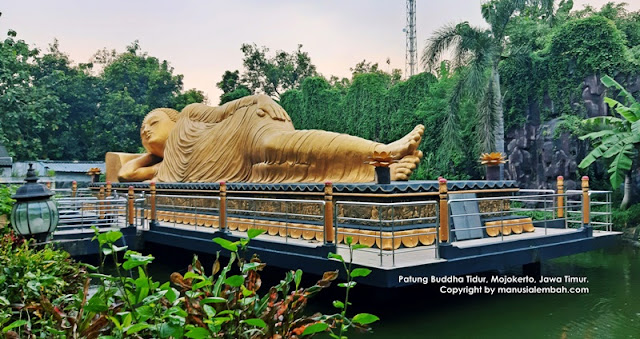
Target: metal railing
(539, 205)
(68, 192)
(197, 211)
(84, 212)
(600, 210)
(392, 227)
(288, 218)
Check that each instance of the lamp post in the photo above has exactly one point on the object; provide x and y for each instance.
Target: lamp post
(34, 215)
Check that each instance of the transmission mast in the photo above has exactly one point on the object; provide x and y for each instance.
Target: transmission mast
(411, 55)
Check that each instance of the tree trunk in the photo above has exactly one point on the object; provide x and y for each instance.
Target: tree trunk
(499, 127)
(627, 192)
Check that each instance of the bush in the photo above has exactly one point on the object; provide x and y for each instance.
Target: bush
(223, 302)
(627, 218)
(34, 284)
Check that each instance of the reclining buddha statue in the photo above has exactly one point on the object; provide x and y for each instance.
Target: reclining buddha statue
(252, 139)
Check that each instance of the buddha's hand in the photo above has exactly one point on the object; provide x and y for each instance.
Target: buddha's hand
(266, 106)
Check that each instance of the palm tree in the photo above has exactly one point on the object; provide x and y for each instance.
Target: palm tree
(480, 50)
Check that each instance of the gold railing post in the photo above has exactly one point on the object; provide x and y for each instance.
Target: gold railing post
(108, 189)
(152, 202)
(74, 189)
(444, 210)
(101, 202)
(328, 212)
(560, 192)
(585, 202)
(223, 206)
(130, 214)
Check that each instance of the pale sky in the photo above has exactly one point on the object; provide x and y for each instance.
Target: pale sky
(202, 39)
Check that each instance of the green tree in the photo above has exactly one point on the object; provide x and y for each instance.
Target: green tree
(28, 110)
(480, 50)
(617, 139)
(79, 93)
(134, 83)
(274, 75)
(188, 97)
(232, 88)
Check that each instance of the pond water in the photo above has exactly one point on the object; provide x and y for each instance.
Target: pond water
(611, 308)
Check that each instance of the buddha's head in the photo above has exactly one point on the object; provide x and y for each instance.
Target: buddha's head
(155, 129)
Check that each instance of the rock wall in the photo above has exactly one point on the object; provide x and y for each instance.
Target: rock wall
(541, 151)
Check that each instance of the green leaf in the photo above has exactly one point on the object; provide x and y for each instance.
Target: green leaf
(209, 311)
(213, 300)
(359, 246)
(297, 278)
(349, 240)
(126, 322)
(198, 333)
(335, 256)
(250, 266)
(137, 260)
(172, 295)
(202, 284)
(226, 244)
(254, 232)
(364, 318)
(234, 280)
(338, 304)
(14, 324)
(620, 166)
(109, 237)
(315, 328)
(360, 272)
(350, 284)
(137, 328)
(170, 330)
(193, 275)
(255, 322)
(609, 82)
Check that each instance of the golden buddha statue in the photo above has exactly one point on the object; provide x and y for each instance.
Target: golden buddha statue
(252, 139)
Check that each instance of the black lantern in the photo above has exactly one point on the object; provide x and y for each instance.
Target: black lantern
(34, 215)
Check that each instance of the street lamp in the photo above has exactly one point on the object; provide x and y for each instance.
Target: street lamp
(34, 215)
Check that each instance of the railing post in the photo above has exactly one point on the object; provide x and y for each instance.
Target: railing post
(108, 189)
(152, 202)
(444, 210)
(560, 192)
(130, 212)
(49, 184)
(328, 212)
(586, 206)
(101, 202)
(223, 207)
(74, 189)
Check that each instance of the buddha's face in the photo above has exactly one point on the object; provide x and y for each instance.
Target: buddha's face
(154, 132)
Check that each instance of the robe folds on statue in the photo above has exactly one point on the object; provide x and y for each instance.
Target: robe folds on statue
(250, 140)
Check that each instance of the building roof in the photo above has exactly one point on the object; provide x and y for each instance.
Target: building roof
(6, 161)
(73, 166)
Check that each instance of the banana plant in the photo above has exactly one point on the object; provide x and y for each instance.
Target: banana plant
(616, 138)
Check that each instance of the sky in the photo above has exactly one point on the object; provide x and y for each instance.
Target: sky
(202, 39)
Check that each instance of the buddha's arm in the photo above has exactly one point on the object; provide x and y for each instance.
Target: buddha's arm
(259, 104)
(139, 169)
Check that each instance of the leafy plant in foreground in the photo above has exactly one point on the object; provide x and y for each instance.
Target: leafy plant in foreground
(616, 138)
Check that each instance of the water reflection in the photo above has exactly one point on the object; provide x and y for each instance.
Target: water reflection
(611, 309)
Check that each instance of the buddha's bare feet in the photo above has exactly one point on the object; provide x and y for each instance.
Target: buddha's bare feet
(405, 146)
(402, 169)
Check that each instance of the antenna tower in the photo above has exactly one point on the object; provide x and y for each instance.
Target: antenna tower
(411, 56)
